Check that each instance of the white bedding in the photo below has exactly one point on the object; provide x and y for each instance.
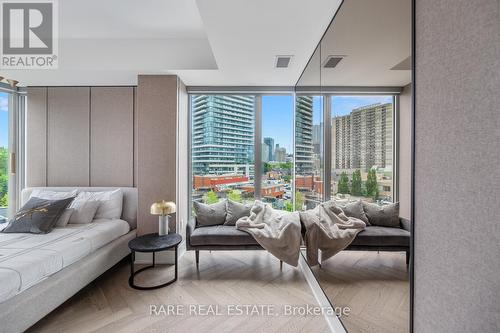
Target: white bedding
(26, 259)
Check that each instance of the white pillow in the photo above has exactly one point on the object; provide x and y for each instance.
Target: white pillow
(64, 218)
(110, 203)
(52, 195)
(83, 211)
(55, 195)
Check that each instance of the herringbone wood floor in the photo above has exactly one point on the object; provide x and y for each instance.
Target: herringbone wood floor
(373, 285)
(241, 277)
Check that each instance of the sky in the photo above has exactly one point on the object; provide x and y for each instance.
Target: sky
(4, 119)
(277, 120)
(277, 114)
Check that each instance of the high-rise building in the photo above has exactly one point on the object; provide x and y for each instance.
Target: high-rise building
(280, 154)
(341, 142)
(269, 142)
(265, 153)
(363, 138)
(303, 135)
(317, 137)
(223, 134)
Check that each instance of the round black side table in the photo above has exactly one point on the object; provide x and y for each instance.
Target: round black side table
(152, 243)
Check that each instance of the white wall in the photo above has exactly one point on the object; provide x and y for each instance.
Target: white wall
(182, 163)
(457, 184)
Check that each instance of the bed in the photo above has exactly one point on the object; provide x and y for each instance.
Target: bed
(40, 272)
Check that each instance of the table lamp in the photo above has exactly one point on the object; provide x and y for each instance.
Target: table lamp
(163, 208)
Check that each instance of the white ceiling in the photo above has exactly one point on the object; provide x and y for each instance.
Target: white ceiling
(374, 36)
(246, 36)
(205, 42)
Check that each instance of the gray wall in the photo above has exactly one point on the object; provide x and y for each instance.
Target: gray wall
(404, 154)
(457, 185)
(80, 136)
(96, 136)
(157, 101)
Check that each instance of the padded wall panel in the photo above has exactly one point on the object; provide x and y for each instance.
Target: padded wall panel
(68, 136)
(457, 185)
(136, 159)
(111, 136)
(36, 137)
(157, 130)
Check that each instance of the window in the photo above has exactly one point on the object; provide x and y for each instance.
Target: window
(257, 146)
(309, 152)
(11, 150)
(277, 151)
(4, 155)
(222, 147)
(362, 148)
(224, 132)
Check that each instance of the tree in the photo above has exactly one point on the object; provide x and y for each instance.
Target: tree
(234, 195)
(288, 206)
(356, 183)
(299, 201)
(3, 176)
(267, 167)
(4, 156)
(210, 198)
(286, 166)
(372, 185)
(343, 185)
(4, 201)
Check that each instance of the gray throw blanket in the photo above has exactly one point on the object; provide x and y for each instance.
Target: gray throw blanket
(276, 231)
(328, 229)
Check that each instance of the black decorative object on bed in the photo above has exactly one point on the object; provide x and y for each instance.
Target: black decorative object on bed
(37, 216)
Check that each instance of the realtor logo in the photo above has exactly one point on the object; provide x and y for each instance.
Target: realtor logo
(29, 34)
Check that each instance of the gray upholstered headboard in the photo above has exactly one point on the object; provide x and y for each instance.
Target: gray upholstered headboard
(129, 211)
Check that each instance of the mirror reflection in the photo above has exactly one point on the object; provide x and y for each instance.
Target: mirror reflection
(353, 163)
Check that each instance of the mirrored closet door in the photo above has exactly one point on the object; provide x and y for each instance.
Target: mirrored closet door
(353, 151)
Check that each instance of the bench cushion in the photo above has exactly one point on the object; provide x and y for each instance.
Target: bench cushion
(382, 236)
(221, 235)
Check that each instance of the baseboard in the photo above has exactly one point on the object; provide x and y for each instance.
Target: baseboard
(332, 321)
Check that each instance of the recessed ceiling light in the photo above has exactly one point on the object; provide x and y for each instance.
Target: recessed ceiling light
(332, 61)
(283, 61)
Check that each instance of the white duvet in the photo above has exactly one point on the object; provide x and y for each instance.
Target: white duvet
(27, 259)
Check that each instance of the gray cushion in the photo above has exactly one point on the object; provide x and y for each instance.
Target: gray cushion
(382, 236)
(207, 215)
(37, 216)
(235, 211)
(355, 209)
(221, 235)
(383, 216)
